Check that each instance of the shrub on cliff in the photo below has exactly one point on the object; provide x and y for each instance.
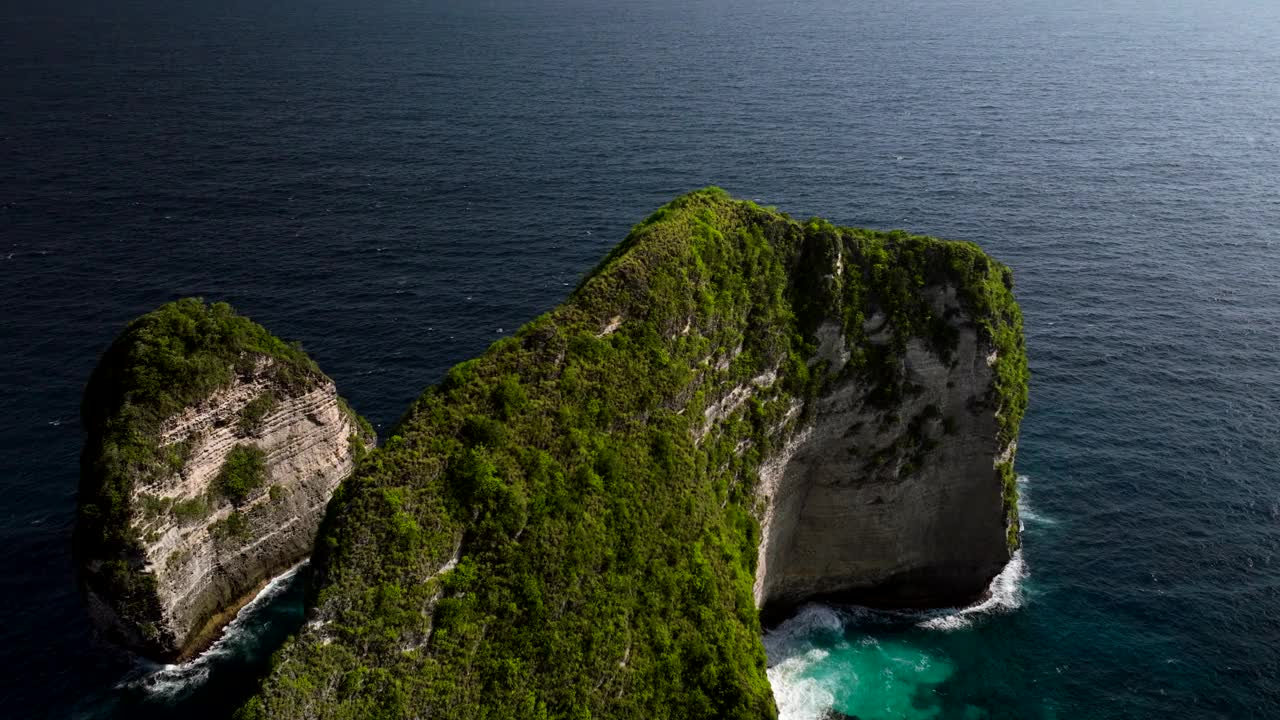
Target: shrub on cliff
(244, 471)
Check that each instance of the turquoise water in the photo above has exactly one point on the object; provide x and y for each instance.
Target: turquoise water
(881, 665)
(860, 675)
(398, 183)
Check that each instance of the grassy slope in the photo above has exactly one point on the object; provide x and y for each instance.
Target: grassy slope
(606, 557)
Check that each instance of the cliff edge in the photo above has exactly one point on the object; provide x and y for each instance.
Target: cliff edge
(735, 411)
(213, 449)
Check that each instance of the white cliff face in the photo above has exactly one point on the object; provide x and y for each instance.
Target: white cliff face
(892, 506)
(208, 559)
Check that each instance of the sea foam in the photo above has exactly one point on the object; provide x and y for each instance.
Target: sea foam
(816, 665)
(1004, 594)
(794, 649)
(1025, 512)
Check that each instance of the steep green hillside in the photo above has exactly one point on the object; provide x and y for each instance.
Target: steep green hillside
(603, 528)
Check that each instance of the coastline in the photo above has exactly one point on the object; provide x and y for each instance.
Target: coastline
(214, 629)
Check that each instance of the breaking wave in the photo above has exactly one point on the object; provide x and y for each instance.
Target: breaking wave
(817, 665)
(795, 649)
(175, 680)
(1004, 594)
(1025, 512)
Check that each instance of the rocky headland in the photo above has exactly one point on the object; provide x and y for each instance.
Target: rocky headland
(213, 450)
(734, 413)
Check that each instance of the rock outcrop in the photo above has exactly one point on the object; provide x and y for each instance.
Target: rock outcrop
(735, 411)
(213, 451)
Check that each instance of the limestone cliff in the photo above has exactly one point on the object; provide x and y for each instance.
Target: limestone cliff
(213, 450)
(734, 410)
(898, 504)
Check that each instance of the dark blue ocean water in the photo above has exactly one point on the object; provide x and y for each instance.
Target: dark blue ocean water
(397, 183)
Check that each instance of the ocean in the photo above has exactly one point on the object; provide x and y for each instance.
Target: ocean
(398, 183)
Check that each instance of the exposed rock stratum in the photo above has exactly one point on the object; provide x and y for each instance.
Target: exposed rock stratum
(193, 497)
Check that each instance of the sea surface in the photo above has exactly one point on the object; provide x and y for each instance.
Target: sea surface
(398, 183)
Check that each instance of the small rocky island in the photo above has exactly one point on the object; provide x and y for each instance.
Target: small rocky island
(213, 450)
(733, 414)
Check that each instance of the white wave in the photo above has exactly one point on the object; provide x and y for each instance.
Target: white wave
(1004, 595)
(792, 649)
(796, 635)
(171, 680)
(816, 666)
(799, 696)
(1025, 513)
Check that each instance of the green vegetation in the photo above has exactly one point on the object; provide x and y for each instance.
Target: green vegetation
(243, 472)
(604, 527)
(233, 526)
(133, 594)
(252, 414)
(364, 436)
(152, 506)
(191, 511)
(175, 455)
(180, 353)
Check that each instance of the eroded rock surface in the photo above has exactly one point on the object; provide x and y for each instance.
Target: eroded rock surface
(234, 493)
(897, 505)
